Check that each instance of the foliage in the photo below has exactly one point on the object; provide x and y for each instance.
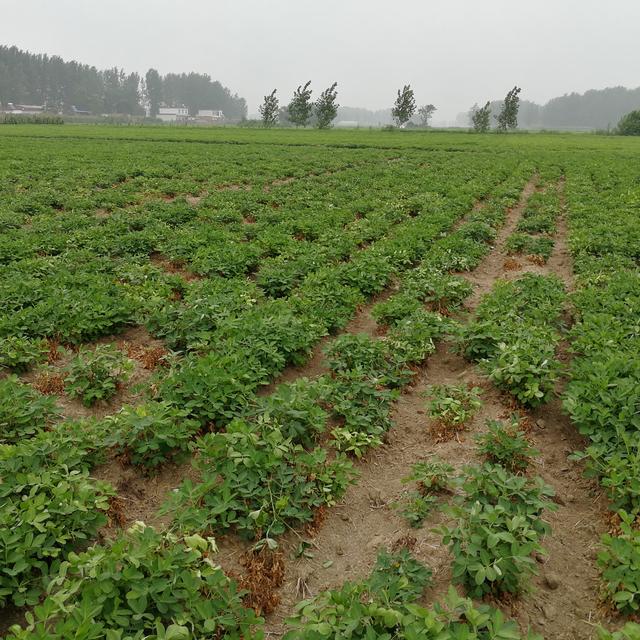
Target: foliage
(507, 445)
(395, 308)
(95, 374)
(431, 476)
(295, 407)
(48, 506)
(23, 411)
(530, 245)
(508, 116)
(353, 611)
(619, 561)
(353, 442)
(269, 109)
(326, 107)
(301, 107)
(257, 482)
(514, 336)
(425, 114)
(152, 433)
(452, 405)
(404, 106)
(144, 585)
(19, 353)
(526, 366)
(629, 124)
(497, 529)
(481, 118)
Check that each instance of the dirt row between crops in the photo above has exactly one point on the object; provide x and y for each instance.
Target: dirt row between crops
(563, 602)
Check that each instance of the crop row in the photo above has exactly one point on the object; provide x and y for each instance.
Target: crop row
(602, 396)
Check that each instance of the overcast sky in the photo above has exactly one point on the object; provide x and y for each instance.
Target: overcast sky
(452, 52)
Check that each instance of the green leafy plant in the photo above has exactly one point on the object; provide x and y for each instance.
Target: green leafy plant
(48, 506)
(257, 482)
(152, 433)
(452, 405)
(619, 562)
(507, 445)
(295, 407)
(498, 528)
(95, 374)
(23, 411)
(395, 308)
(415, 507)
(530, 245)
(526, 366)
(432, 476)
(353, 442)
(19, 353)
(143, 585)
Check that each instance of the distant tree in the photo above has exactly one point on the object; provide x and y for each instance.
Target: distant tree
(481, 118)
(629, 125)
(425, 113)
(326, 107)
(153, 88)
(269, 109)
(405, 106)
(508, 116)
(300, 108)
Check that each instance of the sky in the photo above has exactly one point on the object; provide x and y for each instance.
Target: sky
(452, 52)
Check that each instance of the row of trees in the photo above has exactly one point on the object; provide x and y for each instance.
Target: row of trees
(405, 107)
(594, 109)
(507, 118)
(27, 78)
(302, 110)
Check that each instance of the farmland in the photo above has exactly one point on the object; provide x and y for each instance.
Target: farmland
(318, 384)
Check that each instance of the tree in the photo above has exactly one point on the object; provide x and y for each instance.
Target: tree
(326, 107)
(508, 116)
(153, 83)
(301, 107)
(481, 118)
(405, 106)
(269, 109)
(425, 112)
(629, 125)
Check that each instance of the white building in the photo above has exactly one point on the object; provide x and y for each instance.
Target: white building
(209, 115)
(173, 114)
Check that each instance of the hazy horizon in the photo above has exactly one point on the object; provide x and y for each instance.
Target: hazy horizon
(452, 53)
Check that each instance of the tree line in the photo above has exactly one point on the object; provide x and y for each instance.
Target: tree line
(302, 110)
(595, 109)
(27, 78)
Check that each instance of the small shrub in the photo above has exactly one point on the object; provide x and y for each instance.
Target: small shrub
(23, 411)
(522, 243)
(152, 433)
(507, 445)
(95, 374)
(143, 585)
(396, 308)
(619, 562)
(353, 442)
(19, 353)
(453, 406)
